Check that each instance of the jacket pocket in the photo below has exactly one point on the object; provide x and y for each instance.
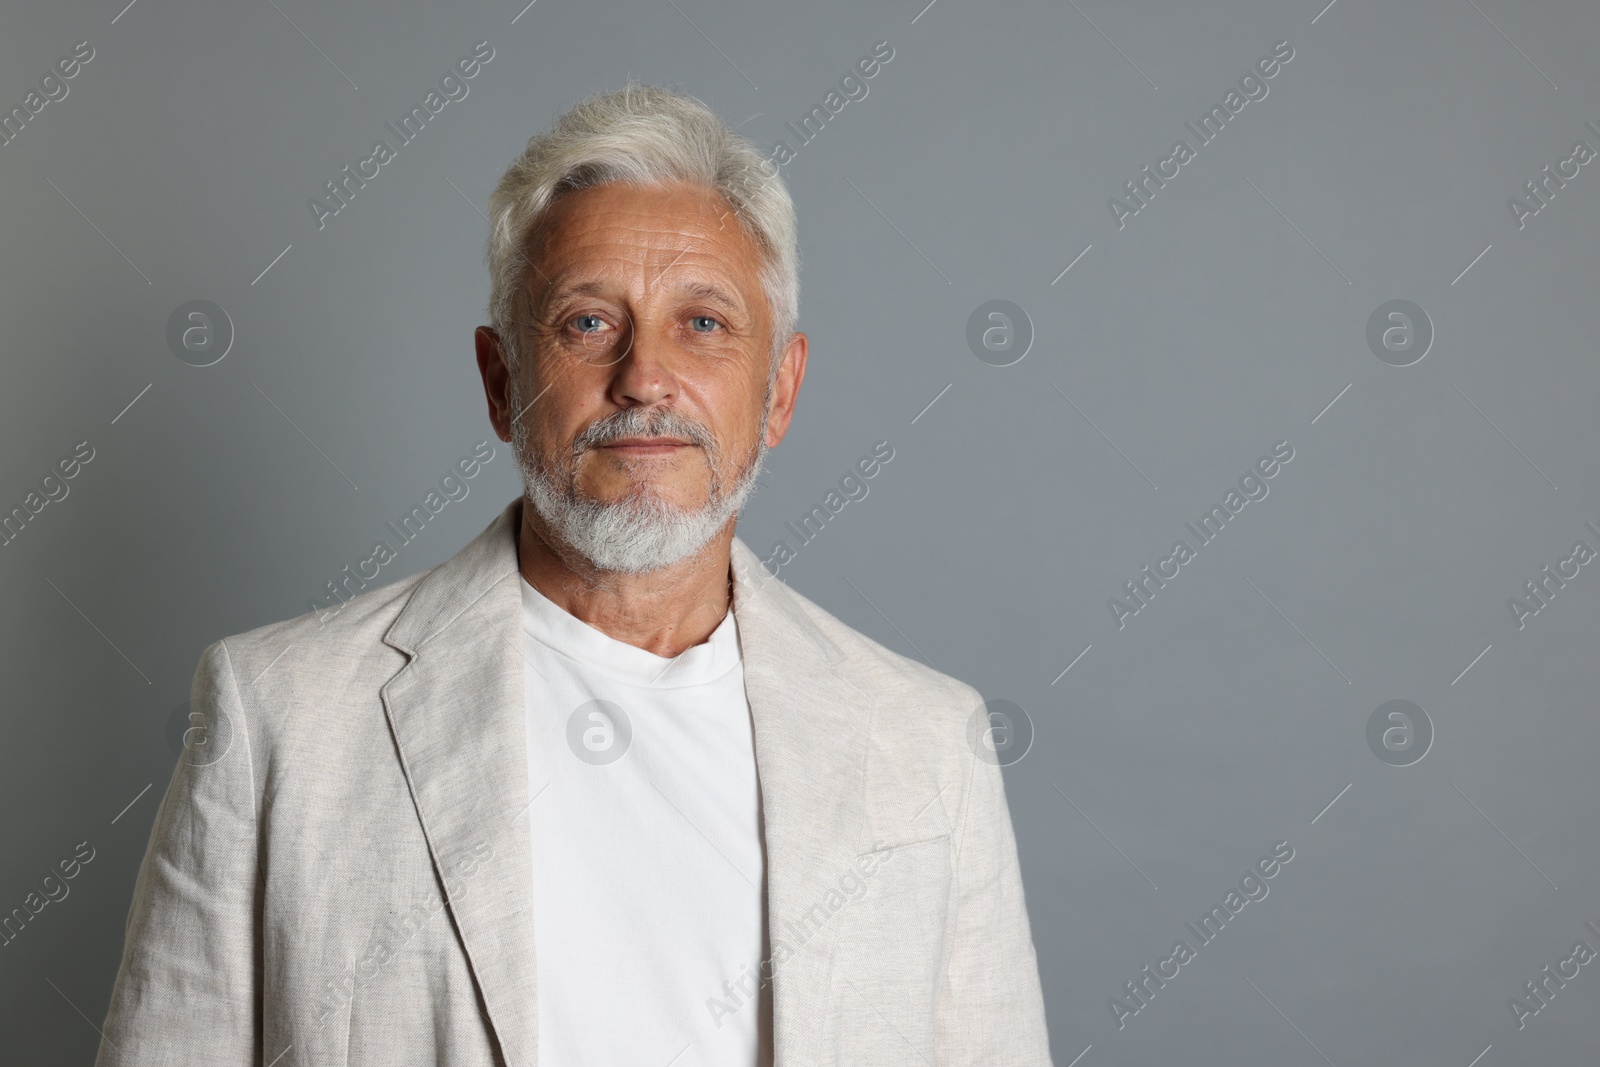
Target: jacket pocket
(889, 955)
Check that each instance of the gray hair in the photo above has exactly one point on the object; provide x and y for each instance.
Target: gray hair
(641, 135)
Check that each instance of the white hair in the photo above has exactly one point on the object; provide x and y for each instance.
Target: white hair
(649, 136)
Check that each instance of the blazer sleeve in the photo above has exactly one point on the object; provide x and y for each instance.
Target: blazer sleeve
(188, 990)
(991, 1006)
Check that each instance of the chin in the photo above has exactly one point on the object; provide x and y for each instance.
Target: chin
(642, 489)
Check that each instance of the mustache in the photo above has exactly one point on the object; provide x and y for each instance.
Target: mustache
(633, 422)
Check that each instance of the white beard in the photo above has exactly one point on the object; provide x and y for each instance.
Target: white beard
(641, 532)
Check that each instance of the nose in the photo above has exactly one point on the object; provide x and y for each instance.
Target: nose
(644, 375)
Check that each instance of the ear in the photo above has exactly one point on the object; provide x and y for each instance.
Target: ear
(786, 390)
(496, 380)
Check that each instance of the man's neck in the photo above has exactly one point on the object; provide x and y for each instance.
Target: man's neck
(664, 611)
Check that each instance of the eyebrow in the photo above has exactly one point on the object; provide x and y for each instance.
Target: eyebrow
(696, 289)
(593, 288)
(707, 291)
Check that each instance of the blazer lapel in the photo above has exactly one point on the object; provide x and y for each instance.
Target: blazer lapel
(811, 729)
(457, 712)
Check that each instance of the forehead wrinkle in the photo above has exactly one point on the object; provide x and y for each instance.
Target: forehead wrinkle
(637, 240)
(692, 287)
(691, 282)
(661, 275)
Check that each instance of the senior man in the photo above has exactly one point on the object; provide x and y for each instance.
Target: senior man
(597, 789)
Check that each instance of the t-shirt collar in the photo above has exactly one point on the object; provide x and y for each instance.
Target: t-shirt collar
(553, 626)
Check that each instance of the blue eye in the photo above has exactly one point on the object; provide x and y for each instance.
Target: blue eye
(704, 323)
(594, 322)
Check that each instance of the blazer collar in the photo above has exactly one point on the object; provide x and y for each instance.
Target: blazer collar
(457, 712)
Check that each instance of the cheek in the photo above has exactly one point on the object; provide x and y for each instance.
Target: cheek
(563, 400)
(551, 431)
(734, 416)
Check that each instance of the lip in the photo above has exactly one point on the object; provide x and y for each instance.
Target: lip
(647, 445)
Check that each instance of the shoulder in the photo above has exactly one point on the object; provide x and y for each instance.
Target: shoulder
(348, 634)
(894, 681)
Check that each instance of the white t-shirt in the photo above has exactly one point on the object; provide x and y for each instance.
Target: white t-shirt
(648, 861)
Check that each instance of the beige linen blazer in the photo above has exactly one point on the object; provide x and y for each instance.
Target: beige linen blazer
(340, 875)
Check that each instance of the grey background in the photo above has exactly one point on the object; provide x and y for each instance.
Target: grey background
(1224, 317)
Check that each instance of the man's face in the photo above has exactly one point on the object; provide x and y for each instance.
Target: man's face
(646, 356)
